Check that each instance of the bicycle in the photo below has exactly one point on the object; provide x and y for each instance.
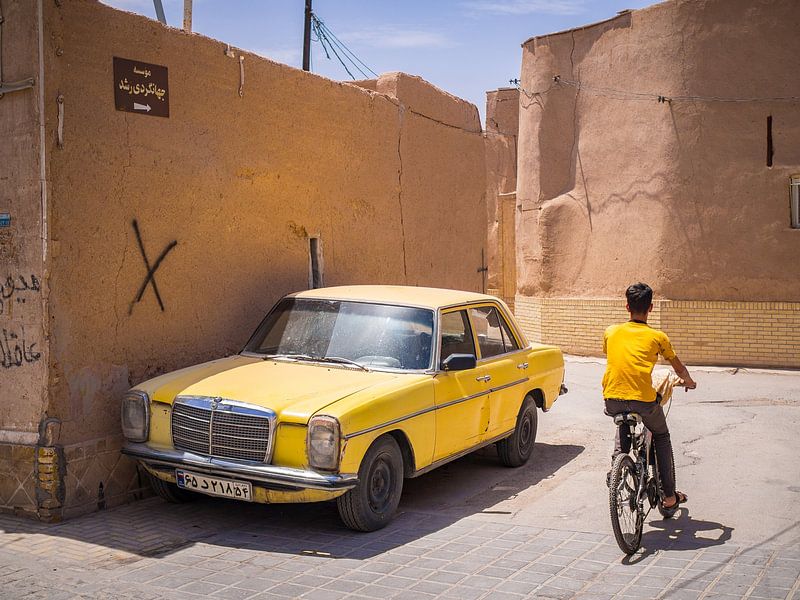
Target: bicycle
(634, 479)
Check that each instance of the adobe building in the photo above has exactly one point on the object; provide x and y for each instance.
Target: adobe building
(663, 146)
(502, 125)
(161, 190)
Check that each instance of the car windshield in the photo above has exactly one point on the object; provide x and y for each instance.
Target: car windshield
(372, 335)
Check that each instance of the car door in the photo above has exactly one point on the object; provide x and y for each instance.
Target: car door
(461, 397)
(503, 362)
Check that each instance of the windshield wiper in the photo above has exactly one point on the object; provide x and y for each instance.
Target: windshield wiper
(323, 359)
(290, 356)
(341, 361)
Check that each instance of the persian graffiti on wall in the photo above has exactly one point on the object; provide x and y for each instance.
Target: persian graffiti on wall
(17, 349)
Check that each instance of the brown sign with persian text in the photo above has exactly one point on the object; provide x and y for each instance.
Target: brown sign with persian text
(141, 87)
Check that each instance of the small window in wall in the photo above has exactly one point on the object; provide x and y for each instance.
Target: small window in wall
(770, 149)
(315, 278)
(794, 195)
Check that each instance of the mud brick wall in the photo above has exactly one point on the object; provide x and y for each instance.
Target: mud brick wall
(231, 186)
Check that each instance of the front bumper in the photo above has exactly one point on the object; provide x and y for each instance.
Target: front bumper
(259, 474)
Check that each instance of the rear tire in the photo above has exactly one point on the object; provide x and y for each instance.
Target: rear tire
(517, 448)
(626, 520)
(170, 491)
(372, 503)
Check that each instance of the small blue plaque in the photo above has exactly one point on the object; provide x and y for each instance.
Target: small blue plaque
(5, 220)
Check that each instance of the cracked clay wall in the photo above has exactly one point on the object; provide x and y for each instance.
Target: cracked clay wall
(23, 340)
(231, 187)
(615, 186)
(502, 125)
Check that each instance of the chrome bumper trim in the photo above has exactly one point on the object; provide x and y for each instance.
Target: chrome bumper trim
(255, 473)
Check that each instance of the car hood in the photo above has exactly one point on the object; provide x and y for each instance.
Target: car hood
(294, 390)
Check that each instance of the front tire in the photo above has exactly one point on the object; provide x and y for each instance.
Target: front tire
(372, 503)
(169, 491)
(626, 519)
(516, 449)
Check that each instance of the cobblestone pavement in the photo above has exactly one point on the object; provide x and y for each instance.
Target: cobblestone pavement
(221, 549)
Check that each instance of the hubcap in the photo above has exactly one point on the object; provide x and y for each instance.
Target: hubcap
(380, 484)
(525, 433)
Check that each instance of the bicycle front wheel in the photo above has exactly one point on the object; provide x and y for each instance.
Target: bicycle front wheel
(626, 519)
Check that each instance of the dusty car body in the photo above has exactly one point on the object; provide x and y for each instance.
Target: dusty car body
(342, 393)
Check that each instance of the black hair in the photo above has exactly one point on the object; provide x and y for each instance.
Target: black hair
(640, 297)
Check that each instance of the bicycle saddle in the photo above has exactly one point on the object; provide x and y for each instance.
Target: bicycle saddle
(631, 418)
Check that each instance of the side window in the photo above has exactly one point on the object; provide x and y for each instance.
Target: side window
(494, 334)
(456, 334)
(508, 338)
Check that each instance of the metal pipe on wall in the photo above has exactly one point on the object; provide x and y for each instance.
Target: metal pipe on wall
(160, 11)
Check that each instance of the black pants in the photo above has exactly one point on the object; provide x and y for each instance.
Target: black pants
(653, 418)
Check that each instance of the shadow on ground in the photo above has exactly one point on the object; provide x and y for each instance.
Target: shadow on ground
(680, 533)
(684, 533)
(154, 528)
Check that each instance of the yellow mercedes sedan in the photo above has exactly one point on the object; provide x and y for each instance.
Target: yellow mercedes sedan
(342, 393)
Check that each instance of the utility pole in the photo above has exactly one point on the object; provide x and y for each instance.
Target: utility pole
(307, 38)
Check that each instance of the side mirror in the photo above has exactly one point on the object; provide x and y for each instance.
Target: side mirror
(459, 362)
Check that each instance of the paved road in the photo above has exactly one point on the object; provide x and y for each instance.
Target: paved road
(473, 529)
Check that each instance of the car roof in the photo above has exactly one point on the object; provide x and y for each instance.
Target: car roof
(397, 294)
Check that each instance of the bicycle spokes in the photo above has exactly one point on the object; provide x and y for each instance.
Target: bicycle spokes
(627, 518)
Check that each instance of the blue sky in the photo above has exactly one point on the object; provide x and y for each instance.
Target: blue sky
(463, 46)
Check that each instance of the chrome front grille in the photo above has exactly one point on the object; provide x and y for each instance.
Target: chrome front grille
(222, 428)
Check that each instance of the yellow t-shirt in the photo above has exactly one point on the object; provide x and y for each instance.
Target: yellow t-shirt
(632, 349)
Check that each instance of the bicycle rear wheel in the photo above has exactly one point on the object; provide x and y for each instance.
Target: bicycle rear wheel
(626, 519)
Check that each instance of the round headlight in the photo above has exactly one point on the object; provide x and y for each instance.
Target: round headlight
(135, 415)
(323, 443)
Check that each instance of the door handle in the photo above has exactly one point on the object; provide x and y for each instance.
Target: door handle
(522, 365)
(484, 378)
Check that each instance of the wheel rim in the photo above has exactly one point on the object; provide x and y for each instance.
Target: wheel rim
(627, 511)
(380, 484)
(525, 434)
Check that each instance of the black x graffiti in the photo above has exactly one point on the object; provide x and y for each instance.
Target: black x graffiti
(150, 279)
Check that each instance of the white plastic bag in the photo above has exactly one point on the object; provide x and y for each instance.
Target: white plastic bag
(664, 381)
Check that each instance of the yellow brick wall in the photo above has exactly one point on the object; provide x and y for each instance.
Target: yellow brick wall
(763, 334)
(509, 300)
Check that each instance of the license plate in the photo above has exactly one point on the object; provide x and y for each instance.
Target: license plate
(214, 486)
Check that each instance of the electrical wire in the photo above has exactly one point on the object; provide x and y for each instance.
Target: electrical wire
(324, 40)
(317, 37)
(346, 50)
(530, 95)
(616, 94)
(343, 54)
(623, 94)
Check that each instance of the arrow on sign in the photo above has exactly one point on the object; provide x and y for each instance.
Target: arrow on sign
(137, 106)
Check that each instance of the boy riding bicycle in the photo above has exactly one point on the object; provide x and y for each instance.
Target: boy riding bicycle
(632, 349)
